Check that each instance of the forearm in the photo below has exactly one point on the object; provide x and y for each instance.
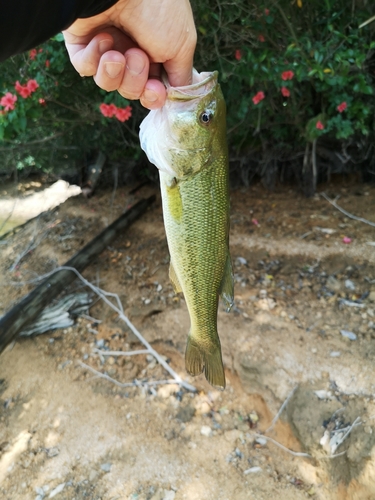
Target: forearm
(25, 24)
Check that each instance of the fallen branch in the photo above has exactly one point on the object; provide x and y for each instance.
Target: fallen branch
(28, 309)
(348, 214)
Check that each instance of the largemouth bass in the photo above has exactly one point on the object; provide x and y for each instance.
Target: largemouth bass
(186, 140)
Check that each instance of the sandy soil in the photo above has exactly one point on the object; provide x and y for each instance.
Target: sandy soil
(67, 434)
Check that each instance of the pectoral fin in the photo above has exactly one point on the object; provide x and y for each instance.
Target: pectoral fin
(227, 284)
(174, 280)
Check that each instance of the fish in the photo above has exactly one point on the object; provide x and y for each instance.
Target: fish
(186, 141)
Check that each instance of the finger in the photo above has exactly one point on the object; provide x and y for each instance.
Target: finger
(110, 71)
(136, 74)
(154, 94)
(86, 57)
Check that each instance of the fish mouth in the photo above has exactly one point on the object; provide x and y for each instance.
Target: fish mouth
(202, 84)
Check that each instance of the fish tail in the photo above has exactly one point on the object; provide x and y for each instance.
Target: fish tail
(198, 359)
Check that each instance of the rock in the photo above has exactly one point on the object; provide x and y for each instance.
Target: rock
(372, 296)
(252, 470)
(348, 335)
(206, 431)
(57, 490)
(349, 285)
(106, 467)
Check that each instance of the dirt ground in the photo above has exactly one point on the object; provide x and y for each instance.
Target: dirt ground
(302, 332)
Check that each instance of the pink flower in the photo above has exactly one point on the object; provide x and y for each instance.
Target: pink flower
(47, 63)
(266, 11)
(259, 96)
(261, 38)
(123, 114)
(32, 54)
(32, 85)
(255, 222)
(238, 55)
(342, 107)
(108, 110)
(346, 240)
(287, 75)
(22, 90)
(8, 101)
(319, 125)
(42, 101)
(285, 91)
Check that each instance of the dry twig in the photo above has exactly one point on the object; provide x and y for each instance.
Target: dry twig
(348, 214)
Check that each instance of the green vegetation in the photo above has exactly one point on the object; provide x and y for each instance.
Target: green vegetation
(298, 78)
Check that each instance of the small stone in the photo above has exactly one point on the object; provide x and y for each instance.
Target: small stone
(57, 490)
(52, 452)
(262, 441)
(372, 296)
(335, 354)
(348, 335)
(106, 467)
(100, 343)
(147, 302)
(111, 360)
(93, 475)
(333, 284)
(349, 285)
(206, 431)
(252, 470)
(242, 261)
(159, 288)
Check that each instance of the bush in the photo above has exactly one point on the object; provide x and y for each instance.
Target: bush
(298, 78)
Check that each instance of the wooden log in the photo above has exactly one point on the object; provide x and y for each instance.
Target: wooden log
(28, 309)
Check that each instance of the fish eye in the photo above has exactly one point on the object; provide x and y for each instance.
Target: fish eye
(205, 117)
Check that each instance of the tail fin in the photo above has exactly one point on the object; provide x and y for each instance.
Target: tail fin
(199, 358)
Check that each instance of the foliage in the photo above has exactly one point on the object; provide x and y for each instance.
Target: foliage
(64, 119)
(293, 73)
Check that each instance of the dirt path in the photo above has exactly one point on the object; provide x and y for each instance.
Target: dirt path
(65, 434)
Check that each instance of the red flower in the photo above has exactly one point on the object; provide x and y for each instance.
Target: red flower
(32, 85)
(261, 38)
(22, 90)
(32, 54)
(47, 63)
(258, 97)
(42, 101)
(285, 91)
(342, 107)
(238, 55)
(8, 101)
(266, 11)
(346, 240)
(108, 110)
(123, 114)
(319, 125)
(287, 75)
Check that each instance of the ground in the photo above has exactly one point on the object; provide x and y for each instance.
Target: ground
(67, 434)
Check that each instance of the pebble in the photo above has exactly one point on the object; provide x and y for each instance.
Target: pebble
(372, 296)
(252, 470)
(335, 354)
(348, 335)
(100, 343)
(242, 261)
(106, 467)
(57, 490)
(206, 431)
(349, 285)
(262, 441)
(52, 452)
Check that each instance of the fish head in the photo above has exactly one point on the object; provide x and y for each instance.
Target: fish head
(179, 138)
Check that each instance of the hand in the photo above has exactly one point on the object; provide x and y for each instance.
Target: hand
(125, 47)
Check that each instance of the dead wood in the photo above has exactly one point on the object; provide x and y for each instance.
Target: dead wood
(28, 309)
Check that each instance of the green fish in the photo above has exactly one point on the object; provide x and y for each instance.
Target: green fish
(186, 140)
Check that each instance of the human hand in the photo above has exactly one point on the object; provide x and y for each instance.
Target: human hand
(125, 47)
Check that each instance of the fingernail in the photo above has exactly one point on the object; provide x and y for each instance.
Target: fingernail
(113, 69)
(149, 95)
(105, 46)
(135, 64)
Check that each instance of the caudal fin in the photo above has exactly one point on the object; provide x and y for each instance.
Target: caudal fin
(199, 358)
